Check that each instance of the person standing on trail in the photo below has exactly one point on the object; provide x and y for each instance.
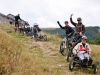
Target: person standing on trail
(16, 20)
(79, 30)
(69, 30)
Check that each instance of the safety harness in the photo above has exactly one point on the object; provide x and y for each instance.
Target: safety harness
(86, 48)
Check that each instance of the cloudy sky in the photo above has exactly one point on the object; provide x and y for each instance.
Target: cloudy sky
(47, 12)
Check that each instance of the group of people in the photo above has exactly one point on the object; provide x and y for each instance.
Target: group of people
(20, 25)
(80, 46)
(36, 28)
(79, 43)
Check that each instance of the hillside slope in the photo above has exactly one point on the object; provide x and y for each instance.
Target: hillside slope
(20, 55)
(10, 51)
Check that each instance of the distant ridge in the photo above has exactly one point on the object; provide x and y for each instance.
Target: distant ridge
(91, 32)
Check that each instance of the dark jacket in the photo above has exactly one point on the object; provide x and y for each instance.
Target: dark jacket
(36, 29)
(79, 27)
(17, 18)
(69, 31)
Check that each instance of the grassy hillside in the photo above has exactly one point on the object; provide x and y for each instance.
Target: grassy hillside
(20, 55)
(10, 50)
(91, 32)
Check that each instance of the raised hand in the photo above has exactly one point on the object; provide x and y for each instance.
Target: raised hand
(58, 22)
(71, 15)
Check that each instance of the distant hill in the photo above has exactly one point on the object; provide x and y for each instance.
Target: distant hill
(91, 32)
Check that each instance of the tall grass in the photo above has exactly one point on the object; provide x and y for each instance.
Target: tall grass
(18, 58)
(10, 51)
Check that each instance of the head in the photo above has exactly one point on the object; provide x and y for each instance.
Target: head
(79, 20)
(36, 25)
(84, 39)
(66, 23)
(18, 14)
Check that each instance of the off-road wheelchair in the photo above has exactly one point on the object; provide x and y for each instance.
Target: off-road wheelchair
(37, 36)
(75, 61)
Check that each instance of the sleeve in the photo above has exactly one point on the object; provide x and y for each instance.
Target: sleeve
(19, 18)
(72, 22)
(83, 29)
(75, 49)
(61, 26)
(39, 30)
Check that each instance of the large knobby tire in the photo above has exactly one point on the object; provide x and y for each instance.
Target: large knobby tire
(36, 37)
(63, 51)
(96, 67)
(45, 37)
(71, 64)
(68, 56)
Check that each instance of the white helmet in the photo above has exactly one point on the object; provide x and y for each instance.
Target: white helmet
(84, 37)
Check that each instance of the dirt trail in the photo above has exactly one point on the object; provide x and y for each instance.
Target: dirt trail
(52, 50)
(48, 48)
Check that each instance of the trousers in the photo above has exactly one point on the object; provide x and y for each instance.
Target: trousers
(83, 55)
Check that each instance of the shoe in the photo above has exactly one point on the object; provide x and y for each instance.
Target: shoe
(85, 62)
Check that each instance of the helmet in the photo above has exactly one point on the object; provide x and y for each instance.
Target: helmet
(79, 19)
(35, 24)
(84, 37)
(66, 22)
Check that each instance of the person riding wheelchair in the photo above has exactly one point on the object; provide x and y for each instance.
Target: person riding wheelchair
(37, 33)
(82, 55)
(82, 50)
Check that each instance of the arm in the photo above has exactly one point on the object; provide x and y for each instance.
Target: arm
(60, 25)
(72, 20)
(75, 49)
(39, 29)
(19, 18)
(83, 29)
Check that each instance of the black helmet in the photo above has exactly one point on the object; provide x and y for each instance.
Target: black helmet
(79, 19)
(66, 22)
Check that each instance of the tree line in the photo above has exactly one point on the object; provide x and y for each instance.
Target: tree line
(93, 33)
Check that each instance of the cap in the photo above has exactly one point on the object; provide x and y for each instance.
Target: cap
(84, 37)
(79, 19)
(66, 22)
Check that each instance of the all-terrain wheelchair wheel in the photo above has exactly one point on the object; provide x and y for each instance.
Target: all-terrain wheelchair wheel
(95, 66)
(85, 64)
(45, 37)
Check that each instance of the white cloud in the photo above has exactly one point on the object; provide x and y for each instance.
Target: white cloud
(47, 12)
